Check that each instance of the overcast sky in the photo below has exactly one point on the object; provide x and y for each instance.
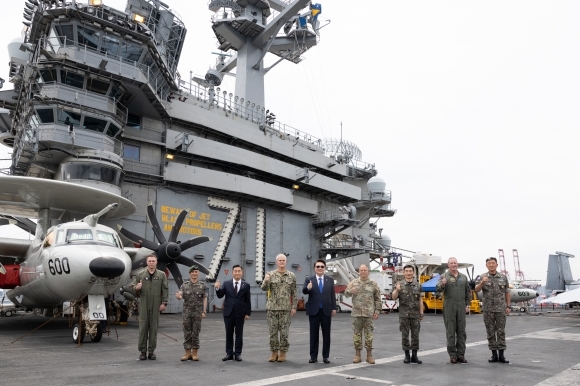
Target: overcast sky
(469, 110)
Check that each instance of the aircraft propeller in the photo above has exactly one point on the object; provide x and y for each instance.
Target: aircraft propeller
(168, 251)
(471, 277)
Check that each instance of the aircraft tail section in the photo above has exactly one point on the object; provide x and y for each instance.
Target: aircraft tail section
(559, 272)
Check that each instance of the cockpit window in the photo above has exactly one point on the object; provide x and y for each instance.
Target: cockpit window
(79, 234)
(108, 238)
(60, 237)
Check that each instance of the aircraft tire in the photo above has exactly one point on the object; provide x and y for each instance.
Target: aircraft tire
(338, 309)
(8, 313)
(522, 309)
(98, 334)
(78, 331)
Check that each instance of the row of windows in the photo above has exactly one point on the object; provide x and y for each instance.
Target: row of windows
(108, 44)
(80, 235)
(67, 117)
(76, 80)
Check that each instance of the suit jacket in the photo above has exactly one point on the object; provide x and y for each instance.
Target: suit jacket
(315, 297)
(240, 304)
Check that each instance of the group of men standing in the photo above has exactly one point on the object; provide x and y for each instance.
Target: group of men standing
(280, 284)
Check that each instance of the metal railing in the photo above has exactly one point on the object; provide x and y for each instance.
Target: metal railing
(52, 91)
(137, 167)
(82, 138)
(60, 45)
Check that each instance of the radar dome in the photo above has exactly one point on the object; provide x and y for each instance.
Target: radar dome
(376, 187)
(385, 241)
(15, 52)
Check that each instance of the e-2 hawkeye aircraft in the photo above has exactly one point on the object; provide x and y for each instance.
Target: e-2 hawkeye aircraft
(78, 262)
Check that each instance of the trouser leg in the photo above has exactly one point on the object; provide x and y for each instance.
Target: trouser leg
(415, 327)
(404, 327)
(450, 319)
(273, 328)
(143, 332)
(314, 321)
(187, 331)
(196, 329)
(357, 327)
(369, 328)
(284, 330)
(153, 328)
(461, 334)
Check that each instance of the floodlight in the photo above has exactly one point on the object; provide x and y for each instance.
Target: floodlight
(295, 186)
(96, 3)
(139, 18)
(169, 156)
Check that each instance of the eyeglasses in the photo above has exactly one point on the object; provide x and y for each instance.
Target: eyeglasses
(320, 266)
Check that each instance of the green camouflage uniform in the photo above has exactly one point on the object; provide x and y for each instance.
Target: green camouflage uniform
(456, 296)
(193, 295)
(282, 298)
(152, 294)
(365, 303)
(494, 305)
(409, 313)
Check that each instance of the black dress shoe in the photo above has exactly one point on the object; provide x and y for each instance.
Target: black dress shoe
(238, 358)
(325, 360)
(228, 358)
(312, 360)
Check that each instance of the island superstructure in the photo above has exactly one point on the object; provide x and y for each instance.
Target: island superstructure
(98, 101)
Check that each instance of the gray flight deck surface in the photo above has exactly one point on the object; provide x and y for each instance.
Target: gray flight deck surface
(542, 349)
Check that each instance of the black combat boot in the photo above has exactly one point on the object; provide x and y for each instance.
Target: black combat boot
(407, 359)
(414, 358)
(502, 358)
(493, 358)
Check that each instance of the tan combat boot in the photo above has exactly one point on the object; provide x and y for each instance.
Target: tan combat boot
(194, 356)
(282, 356)
(187, 355)
(273, 357)
(370, 356)
(356, 356)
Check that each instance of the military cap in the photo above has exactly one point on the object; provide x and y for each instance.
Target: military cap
(193, 268)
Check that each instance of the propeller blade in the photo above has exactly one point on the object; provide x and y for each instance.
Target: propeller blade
(184, 260)
(193, 242)
(138, 264)
(154, 223)
(177, 226)
(174, 269)
(137, 239)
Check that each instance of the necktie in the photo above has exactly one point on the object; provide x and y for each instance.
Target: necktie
(320, 287)
(236, 288)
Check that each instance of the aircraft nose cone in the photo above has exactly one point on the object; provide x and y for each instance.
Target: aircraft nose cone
(108, 267)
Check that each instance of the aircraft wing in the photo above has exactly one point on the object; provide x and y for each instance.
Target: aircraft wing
(565, 297)
(14, 248)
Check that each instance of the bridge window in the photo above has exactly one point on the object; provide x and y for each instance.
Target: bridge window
(65, 32)
(68, 117)
(94, 124)
(113, 130)
(109, 45)
(107, 238)
(48, 75)
(46, 115)
(133, 121)
(88, 37)
(131, 152)
(72, 79)
(97, 86)
(115, 93)
(79, 234)
(131, 52)
(90, 171)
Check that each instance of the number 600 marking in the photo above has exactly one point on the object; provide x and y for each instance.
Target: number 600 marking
(58, 267)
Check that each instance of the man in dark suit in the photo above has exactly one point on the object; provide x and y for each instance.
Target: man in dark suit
(237, 309)
(321, 308)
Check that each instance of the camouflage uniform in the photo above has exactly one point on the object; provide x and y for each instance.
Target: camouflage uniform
(494, 305)
(456, 296)
(153, 293)
(409, 313)
(282, 298)
(365, 303)
(193, 295)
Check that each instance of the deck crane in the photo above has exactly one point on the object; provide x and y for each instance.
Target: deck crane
(519, 274)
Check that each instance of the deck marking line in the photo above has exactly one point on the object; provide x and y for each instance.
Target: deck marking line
(338, 369)
(567, 377)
